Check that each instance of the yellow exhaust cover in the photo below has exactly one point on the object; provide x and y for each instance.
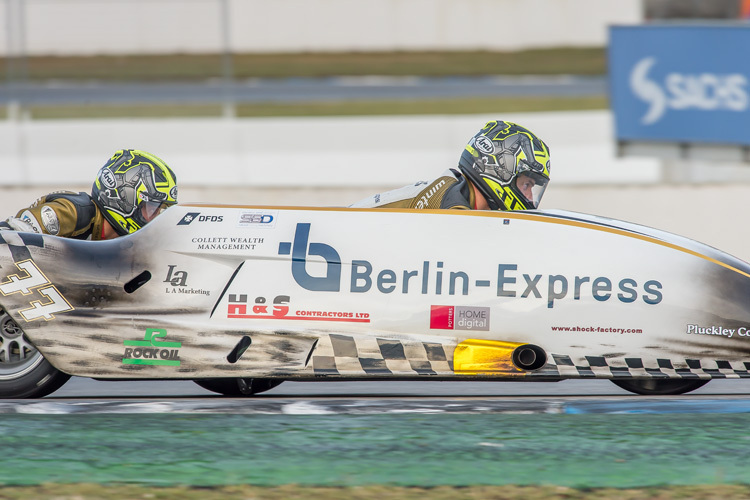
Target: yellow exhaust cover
(485, 357)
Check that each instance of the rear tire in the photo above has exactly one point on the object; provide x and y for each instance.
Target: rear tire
(238, 387)
(24, 373)
(660, 387)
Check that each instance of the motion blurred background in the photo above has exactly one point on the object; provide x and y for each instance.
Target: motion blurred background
(324, 102)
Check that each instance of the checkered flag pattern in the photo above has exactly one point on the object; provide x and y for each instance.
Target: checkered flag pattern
(18, 243)
(372, 356)
(601, 367)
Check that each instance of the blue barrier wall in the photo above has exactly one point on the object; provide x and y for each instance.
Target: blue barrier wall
(681, 83)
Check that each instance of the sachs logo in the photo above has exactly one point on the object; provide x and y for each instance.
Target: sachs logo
(705, 91)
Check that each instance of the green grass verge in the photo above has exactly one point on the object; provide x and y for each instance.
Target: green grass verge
(354, 108)
(292, 492)
(579, 61)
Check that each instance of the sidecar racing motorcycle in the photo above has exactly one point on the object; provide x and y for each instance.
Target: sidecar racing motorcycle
(239, 299)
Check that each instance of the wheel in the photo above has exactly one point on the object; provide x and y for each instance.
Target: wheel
(660, 387)
(24, 373)
(238, 386)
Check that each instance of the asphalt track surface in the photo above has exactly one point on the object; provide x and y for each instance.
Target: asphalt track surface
(79, 387)
(85, 396)
(292, 90)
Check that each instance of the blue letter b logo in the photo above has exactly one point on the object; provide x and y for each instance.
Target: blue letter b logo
(331, 282)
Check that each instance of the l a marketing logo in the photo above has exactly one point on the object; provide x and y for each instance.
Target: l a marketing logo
(683, 91)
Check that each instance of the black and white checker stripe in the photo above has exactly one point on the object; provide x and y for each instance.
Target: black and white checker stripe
(601, 367)
(371, 356)
(18, 243)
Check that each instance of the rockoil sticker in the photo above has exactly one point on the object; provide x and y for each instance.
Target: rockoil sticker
(459, 318)
(151, 351)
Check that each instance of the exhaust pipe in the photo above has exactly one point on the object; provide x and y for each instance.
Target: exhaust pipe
(487, 357)
(529, 357)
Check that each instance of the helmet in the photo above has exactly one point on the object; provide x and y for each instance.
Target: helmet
(132, 188)
(508, 164)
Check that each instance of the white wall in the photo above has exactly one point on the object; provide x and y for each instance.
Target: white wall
(86, 27)
(312, 151)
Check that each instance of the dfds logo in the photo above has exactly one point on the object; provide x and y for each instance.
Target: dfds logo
(191, 216)
(704, 91)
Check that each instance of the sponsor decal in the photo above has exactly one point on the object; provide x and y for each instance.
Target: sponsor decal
(34, 281)
(705, 91)
(151, 351)
(29, 218)
(743, 331)
(107, 178)
(484, 144)
(178, 281)
(279, 308)
(196, 216)
(432, 278)
(255, 218)
(49, 220)
(596, 329)
(226, 243)
(188, 218)
(425, 198)
(459, 318)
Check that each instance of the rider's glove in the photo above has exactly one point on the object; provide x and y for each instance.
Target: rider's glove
(16, 224)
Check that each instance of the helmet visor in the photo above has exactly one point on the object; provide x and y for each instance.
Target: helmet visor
(150, 209)
(530, 186)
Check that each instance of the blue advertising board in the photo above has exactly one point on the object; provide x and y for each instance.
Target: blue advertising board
(681, 83)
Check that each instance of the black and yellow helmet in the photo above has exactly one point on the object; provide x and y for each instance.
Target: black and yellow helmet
(132, 188)
(508, 164)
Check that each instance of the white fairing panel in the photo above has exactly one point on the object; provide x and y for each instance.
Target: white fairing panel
(371, 293)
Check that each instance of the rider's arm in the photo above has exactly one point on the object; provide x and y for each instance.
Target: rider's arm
(61, 214)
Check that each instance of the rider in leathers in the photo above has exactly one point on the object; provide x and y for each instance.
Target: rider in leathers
(130, 190)
(504, 167)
